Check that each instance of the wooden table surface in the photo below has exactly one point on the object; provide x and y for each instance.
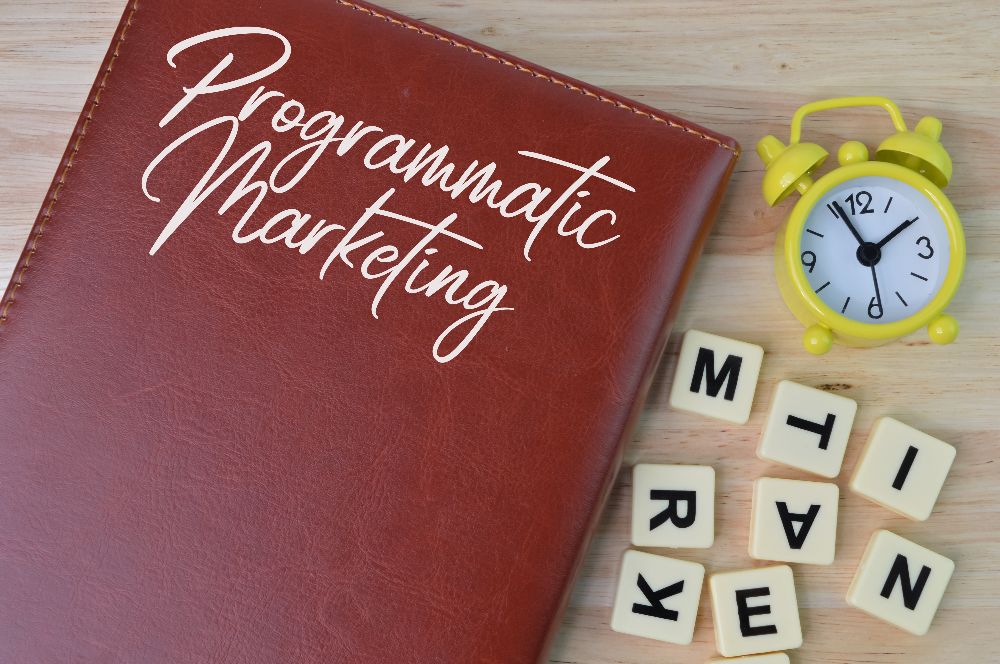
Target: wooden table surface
(740, 67)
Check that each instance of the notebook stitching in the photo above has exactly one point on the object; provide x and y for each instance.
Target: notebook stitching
(54, 198)
(534, 73)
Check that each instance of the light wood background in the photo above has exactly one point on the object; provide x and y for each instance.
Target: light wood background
(741, 67)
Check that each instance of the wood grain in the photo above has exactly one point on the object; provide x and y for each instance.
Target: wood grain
(740, 67)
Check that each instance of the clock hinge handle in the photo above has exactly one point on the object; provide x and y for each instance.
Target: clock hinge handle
(844, 102)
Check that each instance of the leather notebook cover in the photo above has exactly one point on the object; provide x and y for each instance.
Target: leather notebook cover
(326, 341)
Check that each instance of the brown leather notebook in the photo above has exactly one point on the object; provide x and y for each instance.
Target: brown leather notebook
(326, 341)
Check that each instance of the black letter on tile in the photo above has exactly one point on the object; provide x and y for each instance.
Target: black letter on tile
(745, 612)
(655, 599)
(689, 498)
(704, 365)
(904, 468)
(789, 518)
(824, 430)
(901, 570)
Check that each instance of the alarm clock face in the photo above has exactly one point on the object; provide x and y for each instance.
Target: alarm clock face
(875, 249)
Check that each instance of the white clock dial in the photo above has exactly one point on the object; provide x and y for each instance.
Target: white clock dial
(875, 249)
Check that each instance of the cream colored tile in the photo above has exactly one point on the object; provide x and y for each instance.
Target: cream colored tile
(902, 469)
(716, 376)
(657, 597)
(900, 582)
(807, 429)
(755, 611)
(769, 658)
(673, 506)
(794, 521)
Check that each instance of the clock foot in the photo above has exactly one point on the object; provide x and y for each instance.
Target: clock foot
(817, 339)
(943, 329)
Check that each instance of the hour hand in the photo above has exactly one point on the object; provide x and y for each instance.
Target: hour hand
(847, 220)
(896, 231)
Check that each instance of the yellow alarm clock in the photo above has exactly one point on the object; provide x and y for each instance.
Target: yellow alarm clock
(873, 250)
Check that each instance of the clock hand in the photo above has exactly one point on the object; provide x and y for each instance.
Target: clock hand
(878, 295)
(899, 229)
(843, 215)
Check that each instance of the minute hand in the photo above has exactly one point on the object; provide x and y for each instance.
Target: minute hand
(896, 231)
(843, 215)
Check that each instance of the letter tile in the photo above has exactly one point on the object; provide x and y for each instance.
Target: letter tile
(900, 582)
(794, 521)
(769, 658)
(902, 469)
(716, 376)
(755, 611)
(807, 429)
(673, 506)
(657, 597)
